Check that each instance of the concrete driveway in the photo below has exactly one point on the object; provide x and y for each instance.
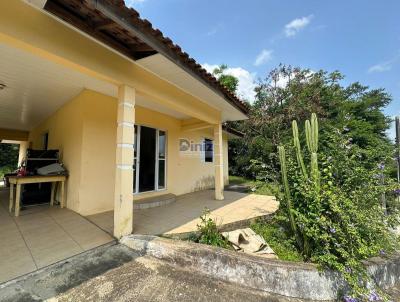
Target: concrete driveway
(116, 273)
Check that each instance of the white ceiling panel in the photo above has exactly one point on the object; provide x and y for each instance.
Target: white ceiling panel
(36, 88)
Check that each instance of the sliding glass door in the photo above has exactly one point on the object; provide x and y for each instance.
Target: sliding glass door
(149, 159)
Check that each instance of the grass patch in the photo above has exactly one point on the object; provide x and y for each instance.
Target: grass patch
(256, 186)
(277, 239)
(283, 246)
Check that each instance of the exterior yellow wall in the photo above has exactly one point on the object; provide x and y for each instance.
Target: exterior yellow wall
(185, 174)
(98, 153)
(26, 28)
(84, 130)
(65, 133)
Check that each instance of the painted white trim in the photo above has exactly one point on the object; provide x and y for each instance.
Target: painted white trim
(137, 160)
(37, 3)
(126, 104)
(125, 145)
(126, 124)
(156, 163)
(125, 167)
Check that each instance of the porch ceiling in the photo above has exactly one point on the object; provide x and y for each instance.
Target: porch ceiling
(34, 88)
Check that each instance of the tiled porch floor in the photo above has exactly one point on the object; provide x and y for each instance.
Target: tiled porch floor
(183, 215)
(41, 236)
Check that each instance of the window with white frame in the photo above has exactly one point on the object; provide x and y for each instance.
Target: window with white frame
(208, 150)
(162, 142)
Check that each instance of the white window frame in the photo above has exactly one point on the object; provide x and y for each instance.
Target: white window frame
(203, 155)
(157, 159)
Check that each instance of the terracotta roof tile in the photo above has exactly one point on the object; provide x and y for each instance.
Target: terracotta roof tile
(186, 59)
(81, 13)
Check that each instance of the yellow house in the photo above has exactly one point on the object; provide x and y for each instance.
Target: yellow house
(132, 114)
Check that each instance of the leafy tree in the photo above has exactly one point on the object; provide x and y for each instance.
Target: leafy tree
(289, 93)
(229, 81)
(8, 158)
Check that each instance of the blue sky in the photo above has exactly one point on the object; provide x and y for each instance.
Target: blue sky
(360, 38)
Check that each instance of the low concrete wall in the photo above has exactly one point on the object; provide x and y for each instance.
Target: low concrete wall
(297, 280)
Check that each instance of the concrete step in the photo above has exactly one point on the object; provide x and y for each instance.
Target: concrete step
(153, 202)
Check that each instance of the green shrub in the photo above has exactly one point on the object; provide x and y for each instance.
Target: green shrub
(277, 238)
(333, 206)
(5, 170)
(209, 233)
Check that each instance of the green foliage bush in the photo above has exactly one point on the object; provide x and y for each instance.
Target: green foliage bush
(335, 213)
(8, 158)
(277, 238)
(208, 232)
(355, 109)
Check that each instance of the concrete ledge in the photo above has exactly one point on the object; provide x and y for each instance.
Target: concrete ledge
(153, 202)
(296, 280)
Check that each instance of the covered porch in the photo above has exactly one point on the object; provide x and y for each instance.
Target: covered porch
(62, 90)
(182, 216)
(79, 92)
(95, 126)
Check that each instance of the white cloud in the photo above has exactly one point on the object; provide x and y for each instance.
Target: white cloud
(382, 67)
(263, 57)
(294, 26)
(247, 80)
(282, 82)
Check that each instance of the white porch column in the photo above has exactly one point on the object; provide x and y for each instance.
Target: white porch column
(23, 146)
(219, 162)
(123, 202)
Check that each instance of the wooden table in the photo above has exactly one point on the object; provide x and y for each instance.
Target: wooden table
(18, 181)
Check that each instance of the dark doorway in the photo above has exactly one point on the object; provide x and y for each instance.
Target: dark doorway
(147, 162)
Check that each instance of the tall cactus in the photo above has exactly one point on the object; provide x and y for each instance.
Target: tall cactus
(282, 159)
(312, 144)
(312, 133)
(297, 145)
(311, 129)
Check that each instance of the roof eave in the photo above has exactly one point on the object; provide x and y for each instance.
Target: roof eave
(130, 20)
